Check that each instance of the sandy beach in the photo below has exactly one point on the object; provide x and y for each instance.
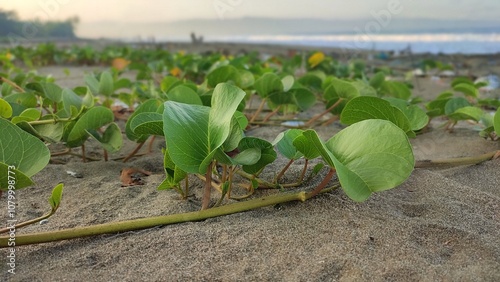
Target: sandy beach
(442, 224)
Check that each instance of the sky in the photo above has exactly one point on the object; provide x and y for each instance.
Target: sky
(172, 10)
(128, 18)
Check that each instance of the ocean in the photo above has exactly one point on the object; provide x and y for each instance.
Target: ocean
(446, 43)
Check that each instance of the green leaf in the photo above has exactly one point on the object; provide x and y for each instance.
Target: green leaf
(21, 180)
(174, 174)
(94, 118)
(27, 100)
(313, 79)
(467, 113)
(341, 89)
(111, 140)
(461, 80)
(315, 144)
(370, 156)
(242, 120)
(148, 106)
(303, 98)
(246, 79)
(416, 116)
(304, 146)
(92, 83)
(268, 84)
(395, 89)
(364, 107)
(281, 98)
(284, 143)
(184, 94)
(467, 89)
(169, 82)
(193, 133)
(235, 135)
(55, 198)
(69, 100)
(267, 153)
(364, 89)
(147, 123)
(454, 104)
(49, 90)
(377, 80)
(5, 109)
(249, 156)
(287, 82)
(224, 74)
(23, 150)
(27, 115)
(496, 122)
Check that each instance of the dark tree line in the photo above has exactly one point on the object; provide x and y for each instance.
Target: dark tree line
(11, 25)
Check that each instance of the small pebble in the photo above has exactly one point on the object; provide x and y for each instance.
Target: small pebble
(74, 174)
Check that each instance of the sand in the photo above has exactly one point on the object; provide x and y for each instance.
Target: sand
(440, 225)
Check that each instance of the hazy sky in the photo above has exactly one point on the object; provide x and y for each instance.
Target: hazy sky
(171, 10)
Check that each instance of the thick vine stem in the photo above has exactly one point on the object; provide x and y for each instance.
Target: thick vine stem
(144, 223)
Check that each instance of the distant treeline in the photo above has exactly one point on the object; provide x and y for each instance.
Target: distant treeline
(11, 26)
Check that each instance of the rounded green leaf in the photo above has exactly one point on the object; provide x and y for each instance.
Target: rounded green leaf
(267, 154)
(467, 89)
(395, 89)
(305, 144)
(246, 79)
(184, 94)
(312, 79)
(284, 144)
(268, 84)
(287, 82)
(454, 104)
(224, 74)
(106, 87)
(5, 109)
(23, 150)
(148, 106)
(416, 116)
(377, 80)
(370, 156)
(27, 115)
(364, 107)
(467, 113)
(461, 80)
(304, 98)
(27, 100)
(94, 118)
(56, 196)
(249, 156)
(340, 89)
(147, 123)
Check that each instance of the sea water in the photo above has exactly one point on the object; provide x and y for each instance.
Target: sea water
(446, 43)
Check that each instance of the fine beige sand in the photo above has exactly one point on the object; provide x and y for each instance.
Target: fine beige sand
(442, 224)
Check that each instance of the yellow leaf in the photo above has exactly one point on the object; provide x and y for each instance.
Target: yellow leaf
(120, 63)
(176, 72)
(316, 59)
